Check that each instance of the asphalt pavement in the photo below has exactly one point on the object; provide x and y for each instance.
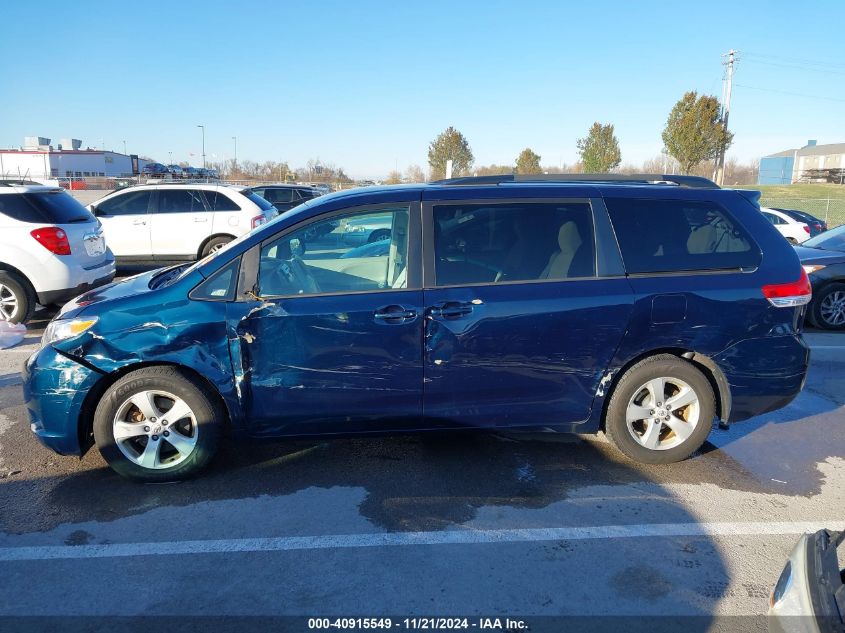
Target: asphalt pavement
(477, 525)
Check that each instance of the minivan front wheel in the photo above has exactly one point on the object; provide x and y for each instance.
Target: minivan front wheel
(157, 424)
(661, 411)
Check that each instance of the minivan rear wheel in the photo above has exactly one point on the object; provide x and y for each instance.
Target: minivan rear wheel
(17, 298)
(157, 424)
(661, 410)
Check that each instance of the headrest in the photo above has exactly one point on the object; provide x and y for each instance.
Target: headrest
(568, 237)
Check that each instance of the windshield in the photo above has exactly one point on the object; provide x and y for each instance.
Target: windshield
(832, 240)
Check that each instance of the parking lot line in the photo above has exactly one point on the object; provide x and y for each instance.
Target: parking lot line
(393, 539)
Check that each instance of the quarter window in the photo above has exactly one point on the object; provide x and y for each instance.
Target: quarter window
(678, 235)
(220, 202)
(493, 243)
(360, 252)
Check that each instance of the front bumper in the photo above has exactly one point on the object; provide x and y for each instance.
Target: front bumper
(54, 388)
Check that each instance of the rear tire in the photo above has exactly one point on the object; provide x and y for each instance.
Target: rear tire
(17, 298)
(792, 241)
(215, 244)
(660, 428)
(828, 309)
(378, 236)
(139, 442)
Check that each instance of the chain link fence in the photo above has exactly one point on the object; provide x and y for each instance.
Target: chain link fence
(831, 210)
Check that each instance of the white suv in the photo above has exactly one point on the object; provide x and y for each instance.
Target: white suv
(793, 230)
(178, 222)
(51, 249)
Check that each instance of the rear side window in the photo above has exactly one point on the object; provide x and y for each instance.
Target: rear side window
(46, 207)
(180, 201)
(281, 195)
(676, 235)
(493, 243)
(220, 202)
(130, 203)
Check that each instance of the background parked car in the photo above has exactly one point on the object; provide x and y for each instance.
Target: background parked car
(155, 170)
(178, 221)
(793, 230)
(286, 197)
(175, 171)
(190, 172)
(816, 225)
(51, 250)
(823, 258)
(367, 230)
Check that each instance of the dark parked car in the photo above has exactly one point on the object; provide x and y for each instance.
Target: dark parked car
(816, 226)
(823, 258)
(190, 172)
(154, 170)
(644, 310)
(286, 197)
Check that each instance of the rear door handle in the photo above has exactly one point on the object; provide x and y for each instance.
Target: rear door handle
(394, 314)
(139, 222)
(200, 219)
(450, 309)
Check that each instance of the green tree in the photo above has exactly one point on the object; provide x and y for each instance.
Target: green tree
(449, 145)
(528, 162)
(695, 131)
(599, 150)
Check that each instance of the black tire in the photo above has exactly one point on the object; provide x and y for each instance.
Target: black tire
(215, 243)
(792, 241)
(23, 294)
(663, 365)
(378, 236)
(826, 293)
(205, 407)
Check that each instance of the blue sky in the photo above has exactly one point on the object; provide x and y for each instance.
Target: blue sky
(367, 85)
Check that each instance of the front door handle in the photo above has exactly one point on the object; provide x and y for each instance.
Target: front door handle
(395, 314)
(450, 309)
(200, 219)
(139, 222)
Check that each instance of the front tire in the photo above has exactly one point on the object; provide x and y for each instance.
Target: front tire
(158, 424)
(661, 410)
(17, 298)
(829, 307)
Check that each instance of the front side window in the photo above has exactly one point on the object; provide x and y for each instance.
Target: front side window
(365, 251)
(493, 243)
(180, 201)
(679, 235)
(131, 203)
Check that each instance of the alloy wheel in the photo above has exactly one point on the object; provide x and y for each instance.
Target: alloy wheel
(663, 413)
(155, 429)
(8, 303)
(832, 308)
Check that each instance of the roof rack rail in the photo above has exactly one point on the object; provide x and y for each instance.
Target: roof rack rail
(695, 182)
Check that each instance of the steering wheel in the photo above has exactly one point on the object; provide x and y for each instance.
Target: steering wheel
(298, 272)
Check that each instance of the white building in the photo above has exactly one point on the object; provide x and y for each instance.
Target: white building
(37, 159)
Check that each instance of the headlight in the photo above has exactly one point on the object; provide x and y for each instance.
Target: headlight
(812, 268)
(782, 585)
(60, 330)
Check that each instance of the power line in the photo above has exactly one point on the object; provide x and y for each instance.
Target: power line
(795, 67)
(786, 92)
(795, 60)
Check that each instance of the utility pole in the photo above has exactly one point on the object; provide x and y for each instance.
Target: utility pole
(124, 147)
(726, 110)
(203, 144)
(235, 138)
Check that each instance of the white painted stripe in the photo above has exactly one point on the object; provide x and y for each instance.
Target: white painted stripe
(393, 539)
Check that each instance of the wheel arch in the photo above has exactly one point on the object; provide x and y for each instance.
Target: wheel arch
(17, 271)
(209, 238)
(85, 422)
(715, 376)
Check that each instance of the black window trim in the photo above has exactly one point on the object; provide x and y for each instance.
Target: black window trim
(248, 283)
(429, 277)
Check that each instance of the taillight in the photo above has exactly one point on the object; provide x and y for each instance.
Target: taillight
(807, 228)
(53, 239)
(789, 295)
(258, 220)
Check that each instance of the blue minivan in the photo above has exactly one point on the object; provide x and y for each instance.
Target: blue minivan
(645, 307)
